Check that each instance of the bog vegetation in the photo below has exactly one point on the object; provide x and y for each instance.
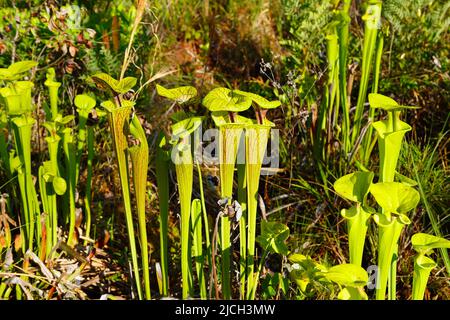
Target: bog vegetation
(325, 177)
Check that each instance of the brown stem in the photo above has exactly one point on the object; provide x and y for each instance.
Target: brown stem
(260, 114)
(232, 116)
(213, 258)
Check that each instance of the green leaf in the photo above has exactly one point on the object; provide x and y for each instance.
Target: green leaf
(105, 82)
(13, 72)
(377, 100)
(423, 242)
(223, 99)
(84, 102)
(348, 275)
(405, 180)
(127, 84)
(179, 95)
(395, 197)
(354, 186)
(262, 102)
(186, 126)
(349, 293)
(273, 237)
(59, 185)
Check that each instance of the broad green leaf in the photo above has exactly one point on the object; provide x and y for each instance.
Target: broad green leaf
(186, 126)
(223, 99)
(179, 95)
(13, 72)
(348, 275)
(395, 197)
(273, 237)
(350, 293)
(84, 102)
(105, 82)
(59, 185)
(377, 100)
(424, 242)
(126, 84)
(354, 186)
(262, 102)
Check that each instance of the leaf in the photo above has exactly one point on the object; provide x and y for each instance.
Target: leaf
(223, 99)
(405, 180)
(348, 275)
(273, 237)
(395, 197)
(350, 293)
(105, 82)
(127, 84)
(179, 95)
(84, 102)
(13, 72)
(423, 242)
(354, 186)
(260, 101)
(377, 100)
(59, 185)
(186, 126)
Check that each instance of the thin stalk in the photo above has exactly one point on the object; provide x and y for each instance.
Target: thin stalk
(46, 203)
(242, 199)
(372, 21)
(343, 34)
(53, 143)
(184, 171)
(88, 196)
(139, 161)
(367, 141)
(69, 152)
(197, 245)
(258, 271)
(256, 142)
(204, 215)
(22, 127)
(118, 117)
(228, 147)
(162, 181)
